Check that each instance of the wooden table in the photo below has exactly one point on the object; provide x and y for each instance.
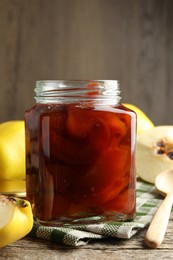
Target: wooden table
(29, 248)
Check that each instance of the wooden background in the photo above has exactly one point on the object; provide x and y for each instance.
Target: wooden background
(129, 40)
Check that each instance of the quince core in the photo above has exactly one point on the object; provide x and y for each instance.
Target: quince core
(154, 152)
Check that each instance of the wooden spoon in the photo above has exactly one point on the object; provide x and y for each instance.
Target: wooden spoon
(157, 229)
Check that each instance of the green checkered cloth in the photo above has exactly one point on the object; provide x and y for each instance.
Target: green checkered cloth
(148, 200)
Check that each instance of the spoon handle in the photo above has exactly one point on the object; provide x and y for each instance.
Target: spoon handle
(157, 229)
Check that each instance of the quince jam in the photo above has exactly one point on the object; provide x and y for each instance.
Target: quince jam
(80, 162)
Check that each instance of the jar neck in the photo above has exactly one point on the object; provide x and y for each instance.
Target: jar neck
(101, 92)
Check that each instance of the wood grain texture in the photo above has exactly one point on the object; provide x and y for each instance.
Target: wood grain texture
(72, 39)
(112, 248)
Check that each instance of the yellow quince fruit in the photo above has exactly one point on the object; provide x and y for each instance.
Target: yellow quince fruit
(143, 121)
(16, 219)
(12, 156)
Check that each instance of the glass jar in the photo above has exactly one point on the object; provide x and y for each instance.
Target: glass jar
(80, 153)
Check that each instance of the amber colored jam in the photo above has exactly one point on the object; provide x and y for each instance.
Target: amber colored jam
(80, 162)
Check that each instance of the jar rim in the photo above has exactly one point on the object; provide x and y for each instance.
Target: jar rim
(72, 90)
(63, 83)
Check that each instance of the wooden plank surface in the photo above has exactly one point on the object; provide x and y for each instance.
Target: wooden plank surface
(110, 248)
(65, 39)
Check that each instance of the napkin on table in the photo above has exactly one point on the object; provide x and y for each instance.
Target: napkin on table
(147, 199)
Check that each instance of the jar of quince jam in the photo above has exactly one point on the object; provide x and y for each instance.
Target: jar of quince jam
(80, 153)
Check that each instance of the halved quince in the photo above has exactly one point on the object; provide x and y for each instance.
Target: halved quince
(154, 152)
(16, 219)
(143, 121)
